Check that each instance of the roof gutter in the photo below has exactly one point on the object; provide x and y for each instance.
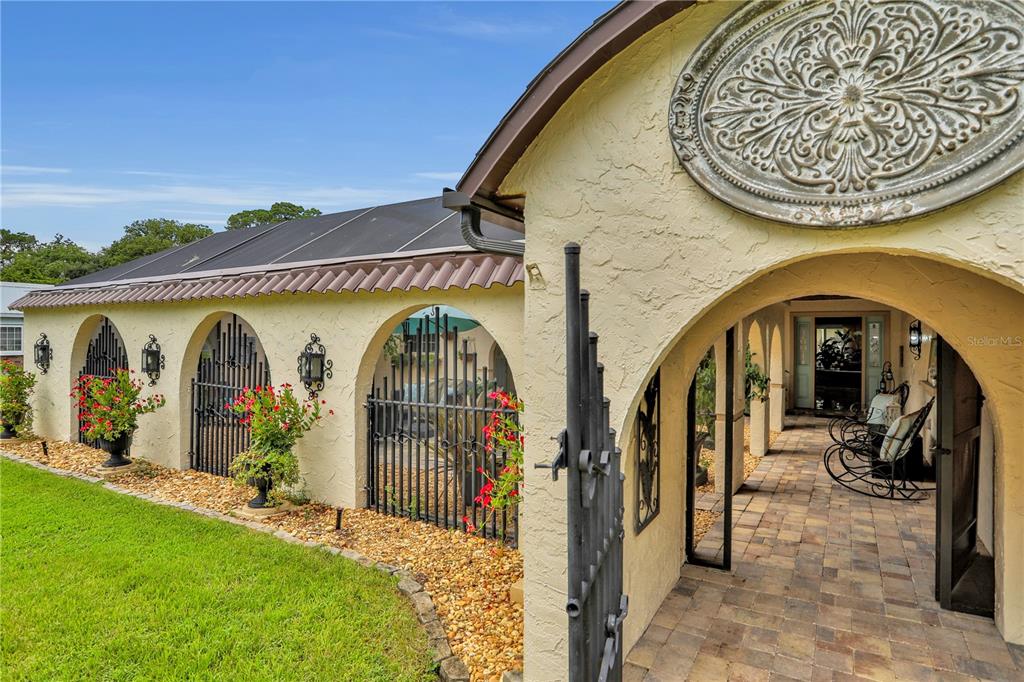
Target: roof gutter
(470, 226)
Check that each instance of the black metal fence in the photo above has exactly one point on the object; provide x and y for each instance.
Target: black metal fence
(425, 440)
(105, 355)
(231, 360)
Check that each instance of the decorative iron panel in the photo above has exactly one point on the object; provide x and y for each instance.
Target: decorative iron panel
(425, 440)
(596, 605)
(231, 360)
(104, 356)
(648, 454)
(837, 113)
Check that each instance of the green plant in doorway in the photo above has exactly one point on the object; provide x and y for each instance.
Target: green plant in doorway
(757, 382)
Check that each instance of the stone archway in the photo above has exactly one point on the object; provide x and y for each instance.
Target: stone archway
(958, 303)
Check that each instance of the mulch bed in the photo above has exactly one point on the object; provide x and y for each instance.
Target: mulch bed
(468, 578)
(703, 520)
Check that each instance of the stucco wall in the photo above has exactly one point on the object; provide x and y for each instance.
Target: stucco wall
(658, 252)
(352, 327)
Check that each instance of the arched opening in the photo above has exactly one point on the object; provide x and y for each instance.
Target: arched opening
(98, 351)
(955, 305)
(430, 398)
(227, 356)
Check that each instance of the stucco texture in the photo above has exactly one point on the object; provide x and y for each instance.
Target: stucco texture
(669, 267)
(353, 327)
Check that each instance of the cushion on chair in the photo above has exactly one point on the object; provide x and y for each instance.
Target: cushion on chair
(896, 442)
(881, 406)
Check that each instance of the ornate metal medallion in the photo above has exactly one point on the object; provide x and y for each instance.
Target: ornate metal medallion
(853, 112)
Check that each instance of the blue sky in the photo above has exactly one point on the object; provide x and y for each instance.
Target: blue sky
(118, 111)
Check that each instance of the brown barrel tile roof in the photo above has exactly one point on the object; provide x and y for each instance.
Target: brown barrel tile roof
(434, 271)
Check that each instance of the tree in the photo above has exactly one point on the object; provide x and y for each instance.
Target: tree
(151, 235)
(280, 211)
(50, 263)
(12, 243)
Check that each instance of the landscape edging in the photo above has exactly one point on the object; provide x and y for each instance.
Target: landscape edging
(449, 666)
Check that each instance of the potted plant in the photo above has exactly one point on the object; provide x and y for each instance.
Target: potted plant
(109, 409)
(276, 420)
(15, 387)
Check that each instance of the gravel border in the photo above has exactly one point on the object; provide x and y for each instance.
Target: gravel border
(450, 667)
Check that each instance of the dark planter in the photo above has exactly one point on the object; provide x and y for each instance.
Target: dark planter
(263, 485)
(117, 449)
(8, 431)
(702, 476)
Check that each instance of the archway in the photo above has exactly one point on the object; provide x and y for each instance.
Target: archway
(227, 356)
(98, 350)
(428, 404)
(959, 304)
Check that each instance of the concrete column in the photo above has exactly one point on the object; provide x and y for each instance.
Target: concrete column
(776, 406)
(759, 409)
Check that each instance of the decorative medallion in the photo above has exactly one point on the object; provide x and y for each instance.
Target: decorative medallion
(843, 113)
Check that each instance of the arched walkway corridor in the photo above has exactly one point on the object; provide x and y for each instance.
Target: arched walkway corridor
(827, 585)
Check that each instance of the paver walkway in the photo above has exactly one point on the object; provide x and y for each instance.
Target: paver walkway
(827, 585)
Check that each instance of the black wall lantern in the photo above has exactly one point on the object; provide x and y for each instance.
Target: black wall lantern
(915, 339)
(888, 382)
(152, 360)
(314, 366)
(43, 353)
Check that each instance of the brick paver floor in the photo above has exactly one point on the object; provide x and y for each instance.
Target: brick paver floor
(826, 585)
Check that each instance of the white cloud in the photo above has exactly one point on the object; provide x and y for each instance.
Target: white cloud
(22, 194)
(32, 170)
(436, 175)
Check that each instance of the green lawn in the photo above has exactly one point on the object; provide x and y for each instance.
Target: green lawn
(99, 585)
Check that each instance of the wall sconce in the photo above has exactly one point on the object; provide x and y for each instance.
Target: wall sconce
(152, 360)
(43, 353)
(888, 382)
(314, 366)
(915, 339)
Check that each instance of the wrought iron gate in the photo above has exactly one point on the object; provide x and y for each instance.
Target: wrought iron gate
(426, 451)
(231, 359)
(596, 605)
(105, 355)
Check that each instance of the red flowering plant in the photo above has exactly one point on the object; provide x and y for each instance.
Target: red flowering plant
(276, 420)
(109, 407)
(503, 434)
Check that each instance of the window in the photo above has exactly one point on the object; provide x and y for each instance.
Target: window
(10, 339)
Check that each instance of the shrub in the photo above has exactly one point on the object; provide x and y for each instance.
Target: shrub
(16, 386)
(503, 433)
(109, 407)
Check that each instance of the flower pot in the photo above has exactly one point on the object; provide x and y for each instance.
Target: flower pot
(117, 449)
(263, 485)
(8, 431)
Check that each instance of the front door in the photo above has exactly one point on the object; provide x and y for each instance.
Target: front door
(965, 571)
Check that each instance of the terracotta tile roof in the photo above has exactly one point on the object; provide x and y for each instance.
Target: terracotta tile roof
(433, 271)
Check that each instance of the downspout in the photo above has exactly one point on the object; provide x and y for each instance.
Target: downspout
(470, 226)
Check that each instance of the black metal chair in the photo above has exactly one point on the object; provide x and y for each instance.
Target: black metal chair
(878, 466)
(864, 425)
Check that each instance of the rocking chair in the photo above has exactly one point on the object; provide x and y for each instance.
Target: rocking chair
(872, 423)
(877, 466)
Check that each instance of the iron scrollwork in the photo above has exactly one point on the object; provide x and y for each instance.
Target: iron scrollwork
(152, 360)
(648, 454)
(43, 353)
(314, 367)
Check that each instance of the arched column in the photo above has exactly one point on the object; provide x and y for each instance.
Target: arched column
(776, 376)
(759, 408)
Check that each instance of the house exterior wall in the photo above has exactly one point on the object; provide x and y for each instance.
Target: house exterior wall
(353, 328)
(603, 173)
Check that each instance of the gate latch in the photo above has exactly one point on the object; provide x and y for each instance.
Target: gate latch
(558, 462)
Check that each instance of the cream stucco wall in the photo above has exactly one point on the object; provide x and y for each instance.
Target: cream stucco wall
(603, 173)
(352, 327)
